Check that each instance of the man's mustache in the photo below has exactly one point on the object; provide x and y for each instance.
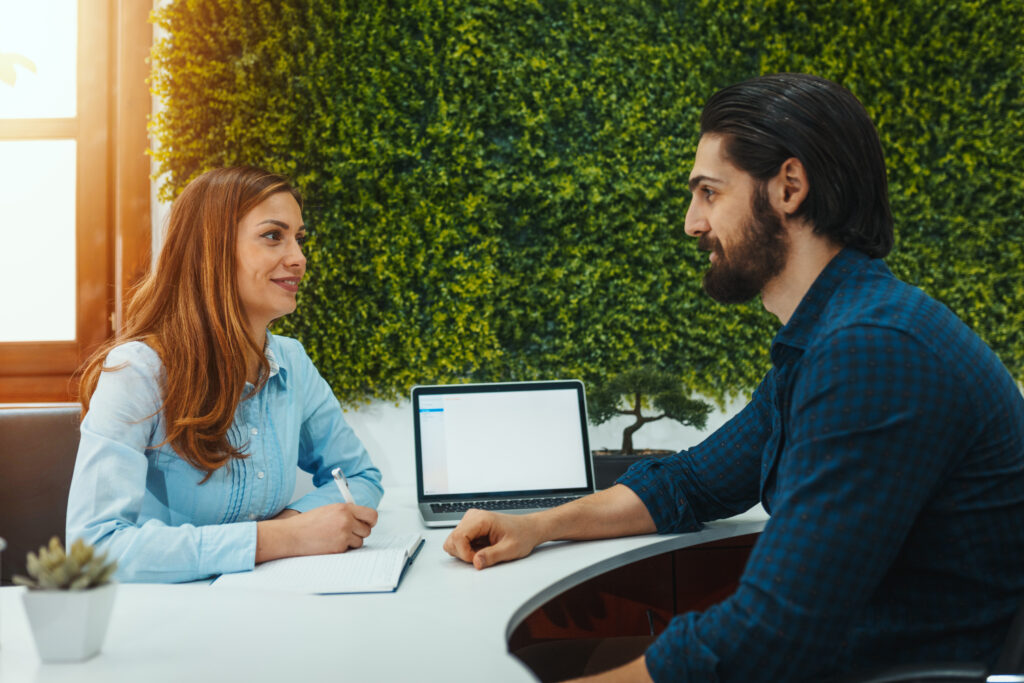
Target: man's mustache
(708, 243)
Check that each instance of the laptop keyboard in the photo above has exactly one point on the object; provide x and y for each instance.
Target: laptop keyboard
(521, 504)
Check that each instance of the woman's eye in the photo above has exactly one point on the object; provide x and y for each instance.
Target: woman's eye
(302, 239)
(272, 235)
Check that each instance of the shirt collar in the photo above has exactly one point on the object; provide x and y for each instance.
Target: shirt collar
(277, 369)
(800, 329)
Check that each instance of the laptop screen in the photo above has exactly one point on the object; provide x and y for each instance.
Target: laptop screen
(475, 439)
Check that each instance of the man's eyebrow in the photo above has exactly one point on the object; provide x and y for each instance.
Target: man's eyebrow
(281, 224)
(698, 179)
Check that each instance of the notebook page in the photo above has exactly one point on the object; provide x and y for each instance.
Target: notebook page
(377, 566)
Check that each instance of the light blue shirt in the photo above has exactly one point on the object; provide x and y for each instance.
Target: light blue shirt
(143, 504)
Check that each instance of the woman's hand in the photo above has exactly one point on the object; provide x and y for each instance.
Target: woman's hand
(328, 529)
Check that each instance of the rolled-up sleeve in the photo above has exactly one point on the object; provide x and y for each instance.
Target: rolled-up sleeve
(716, 479)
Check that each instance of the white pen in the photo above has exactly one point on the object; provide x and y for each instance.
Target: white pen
(342, 483)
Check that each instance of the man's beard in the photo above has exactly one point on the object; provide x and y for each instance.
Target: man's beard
(753, 261)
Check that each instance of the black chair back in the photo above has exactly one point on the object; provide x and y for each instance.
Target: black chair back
(38, 447)
(1011, 659)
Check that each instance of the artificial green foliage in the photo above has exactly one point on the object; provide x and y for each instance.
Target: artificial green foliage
(80, 569)
(630, 392)
(497, 189)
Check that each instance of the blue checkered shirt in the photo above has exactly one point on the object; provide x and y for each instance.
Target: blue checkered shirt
(887, 443)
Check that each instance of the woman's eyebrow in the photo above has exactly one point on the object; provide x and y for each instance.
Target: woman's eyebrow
(281, 224)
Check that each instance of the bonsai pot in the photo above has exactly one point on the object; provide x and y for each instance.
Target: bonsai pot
(69, 625)
(610, 465)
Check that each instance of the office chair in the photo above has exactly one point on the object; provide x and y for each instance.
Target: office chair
(38, 446)
(1009, 668)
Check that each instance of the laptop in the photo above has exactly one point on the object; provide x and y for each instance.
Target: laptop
(511, 446)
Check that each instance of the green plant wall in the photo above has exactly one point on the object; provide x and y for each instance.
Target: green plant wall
(496, 190)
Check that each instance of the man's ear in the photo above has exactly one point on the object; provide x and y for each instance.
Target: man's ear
(788, 189)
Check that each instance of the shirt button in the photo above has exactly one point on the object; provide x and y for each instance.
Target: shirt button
(255, 431)
(259, 475)
(252, 516)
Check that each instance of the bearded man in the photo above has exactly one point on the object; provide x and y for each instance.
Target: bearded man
(886, 441)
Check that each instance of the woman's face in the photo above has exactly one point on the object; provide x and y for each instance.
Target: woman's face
(269, 260)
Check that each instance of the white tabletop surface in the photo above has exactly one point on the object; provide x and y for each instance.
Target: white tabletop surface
(446, 622)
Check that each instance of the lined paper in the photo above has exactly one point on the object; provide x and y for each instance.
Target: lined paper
(376, 567)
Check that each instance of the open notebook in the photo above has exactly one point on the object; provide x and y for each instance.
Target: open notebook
(377, 567)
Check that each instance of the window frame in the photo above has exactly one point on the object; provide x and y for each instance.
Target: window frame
(112, 210)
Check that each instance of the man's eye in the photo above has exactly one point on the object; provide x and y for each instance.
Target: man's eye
(708, 192)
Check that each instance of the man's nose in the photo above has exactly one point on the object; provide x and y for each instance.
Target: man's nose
(695, 224)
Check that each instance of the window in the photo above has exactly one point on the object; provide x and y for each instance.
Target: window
(74, 183)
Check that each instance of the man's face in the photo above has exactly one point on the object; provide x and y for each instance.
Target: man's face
(732, 218)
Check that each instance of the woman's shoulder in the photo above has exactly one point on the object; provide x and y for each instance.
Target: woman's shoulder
(286, 349)
(129, 384)
(133, 353)
(290, 355)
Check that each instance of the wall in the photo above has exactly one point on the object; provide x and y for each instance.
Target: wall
(385, 428)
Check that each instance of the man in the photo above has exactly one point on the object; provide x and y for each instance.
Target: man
(886, 441)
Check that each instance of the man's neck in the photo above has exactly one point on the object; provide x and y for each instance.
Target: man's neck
(808, 256)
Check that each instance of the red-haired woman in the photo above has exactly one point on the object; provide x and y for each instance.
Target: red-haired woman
(195, 416)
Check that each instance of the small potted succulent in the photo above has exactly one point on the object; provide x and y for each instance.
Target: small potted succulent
(628, 394)
(69, 600)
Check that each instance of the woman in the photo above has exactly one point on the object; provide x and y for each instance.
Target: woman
(195, 417)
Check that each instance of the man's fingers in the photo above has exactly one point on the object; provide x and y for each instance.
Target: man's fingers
(482, 560)
(502, 551)
(460, 541)
(461, 546)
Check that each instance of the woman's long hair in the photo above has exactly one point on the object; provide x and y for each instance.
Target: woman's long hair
(188, 310)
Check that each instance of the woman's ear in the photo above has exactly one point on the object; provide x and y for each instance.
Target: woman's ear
(788, 189)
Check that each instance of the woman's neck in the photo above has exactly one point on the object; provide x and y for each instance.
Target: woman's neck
(252, 363)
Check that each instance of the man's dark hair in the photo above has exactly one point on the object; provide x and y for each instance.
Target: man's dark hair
(769, 119)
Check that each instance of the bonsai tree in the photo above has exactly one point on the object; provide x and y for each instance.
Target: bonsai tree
(630, 392)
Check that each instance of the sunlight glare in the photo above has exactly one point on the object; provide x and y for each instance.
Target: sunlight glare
(43, 34)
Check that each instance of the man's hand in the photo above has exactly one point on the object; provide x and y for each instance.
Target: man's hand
(487, 538)
(328, 529)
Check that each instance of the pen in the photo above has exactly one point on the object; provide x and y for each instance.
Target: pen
(342, 483)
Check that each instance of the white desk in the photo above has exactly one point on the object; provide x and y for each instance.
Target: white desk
(446, 622)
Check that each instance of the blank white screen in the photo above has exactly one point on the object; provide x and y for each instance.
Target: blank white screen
(503, 441)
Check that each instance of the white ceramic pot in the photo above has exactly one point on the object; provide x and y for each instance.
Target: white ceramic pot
(69, 626)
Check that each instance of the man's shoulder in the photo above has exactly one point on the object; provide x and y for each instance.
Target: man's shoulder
(874, 307)
(874, 297)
